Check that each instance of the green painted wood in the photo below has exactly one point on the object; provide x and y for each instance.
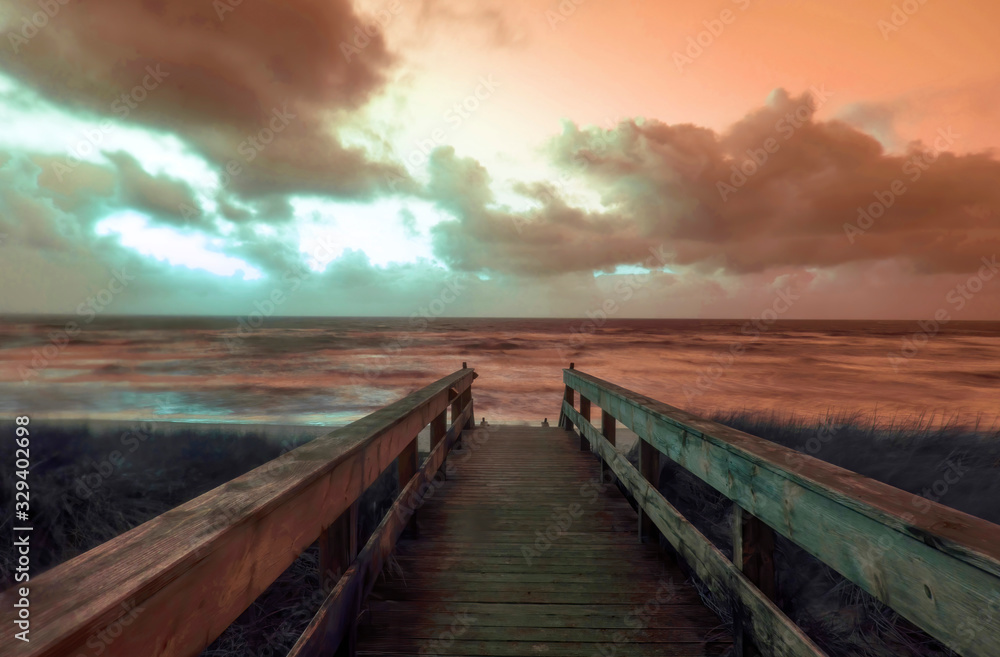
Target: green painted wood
(936, 566)
(770, 627)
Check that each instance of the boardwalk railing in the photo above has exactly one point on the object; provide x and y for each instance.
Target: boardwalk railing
(169, 587)
(935, 566)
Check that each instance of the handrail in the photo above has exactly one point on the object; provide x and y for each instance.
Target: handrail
(937, 567)
(335, 621)
(170, 586)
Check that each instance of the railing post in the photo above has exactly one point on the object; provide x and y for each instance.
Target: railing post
(439, 429)
(470, 422)
(467, 399)
(753, 553)
(649, 467)
(338, 547)
(456, 410)
(608, 427)
(408, 466)
(568, 396)
(349, 644)
(585, 412)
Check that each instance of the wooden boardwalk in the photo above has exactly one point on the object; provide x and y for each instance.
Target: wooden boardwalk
(479, 579)
(523, 550)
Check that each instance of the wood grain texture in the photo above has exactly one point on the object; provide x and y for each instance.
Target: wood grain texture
(191, 571)
(585, 412)
(524, 552)
(770, 628)
(649, 468)
(338, 544)
(938, 567)
(336, 621)
(753, 553)
(609, 429)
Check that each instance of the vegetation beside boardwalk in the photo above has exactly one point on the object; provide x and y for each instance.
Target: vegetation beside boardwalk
(954, 465)
(89, 486)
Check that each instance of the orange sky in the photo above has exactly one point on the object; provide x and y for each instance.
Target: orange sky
(607, 60)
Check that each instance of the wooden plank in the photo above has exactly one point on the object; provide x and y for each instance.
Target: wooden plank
(602, 550)
(770, 627)
(482, 554)
(519, 594)
(514, 558)
(194, 569)
(336, 618)
(423, 630)
(458, 647)
(935, 566)
(544, 577)
(393, 613)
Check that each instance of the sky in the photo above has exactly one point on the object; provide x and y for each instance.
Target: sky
(582, 158)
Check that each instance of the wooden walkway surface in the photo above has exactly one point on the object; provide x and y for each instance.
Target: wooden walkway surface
(479, 579)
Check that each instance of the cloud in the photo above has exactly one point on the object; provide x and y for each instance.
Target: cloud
(162, 196)
(552, 239)
(777, 189)
(491, 19)
(27, 216)
(219, 79)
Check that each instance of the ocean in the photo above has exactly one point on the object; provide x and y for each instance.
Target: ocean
(330, 371)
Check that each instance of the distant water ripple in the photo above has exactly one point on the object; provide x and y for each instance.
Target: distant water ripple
(331, 371)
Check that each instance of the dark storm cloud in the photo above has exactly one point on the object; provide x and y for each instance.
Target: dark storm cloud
(217, 74)
(45, 211)
(555, 238)
(161, 196)
(274, 209)
(778, 189)
(34, 216)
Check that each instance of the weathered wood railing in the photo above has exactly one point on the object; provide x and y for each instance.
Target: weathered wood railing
(935, 566)
(169, 587)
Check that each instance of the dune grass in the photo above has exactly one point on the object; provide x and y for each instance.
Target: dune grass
(88, 486)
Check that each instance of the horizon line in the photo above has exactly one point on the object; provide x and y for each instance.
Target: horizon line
(13, 315)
